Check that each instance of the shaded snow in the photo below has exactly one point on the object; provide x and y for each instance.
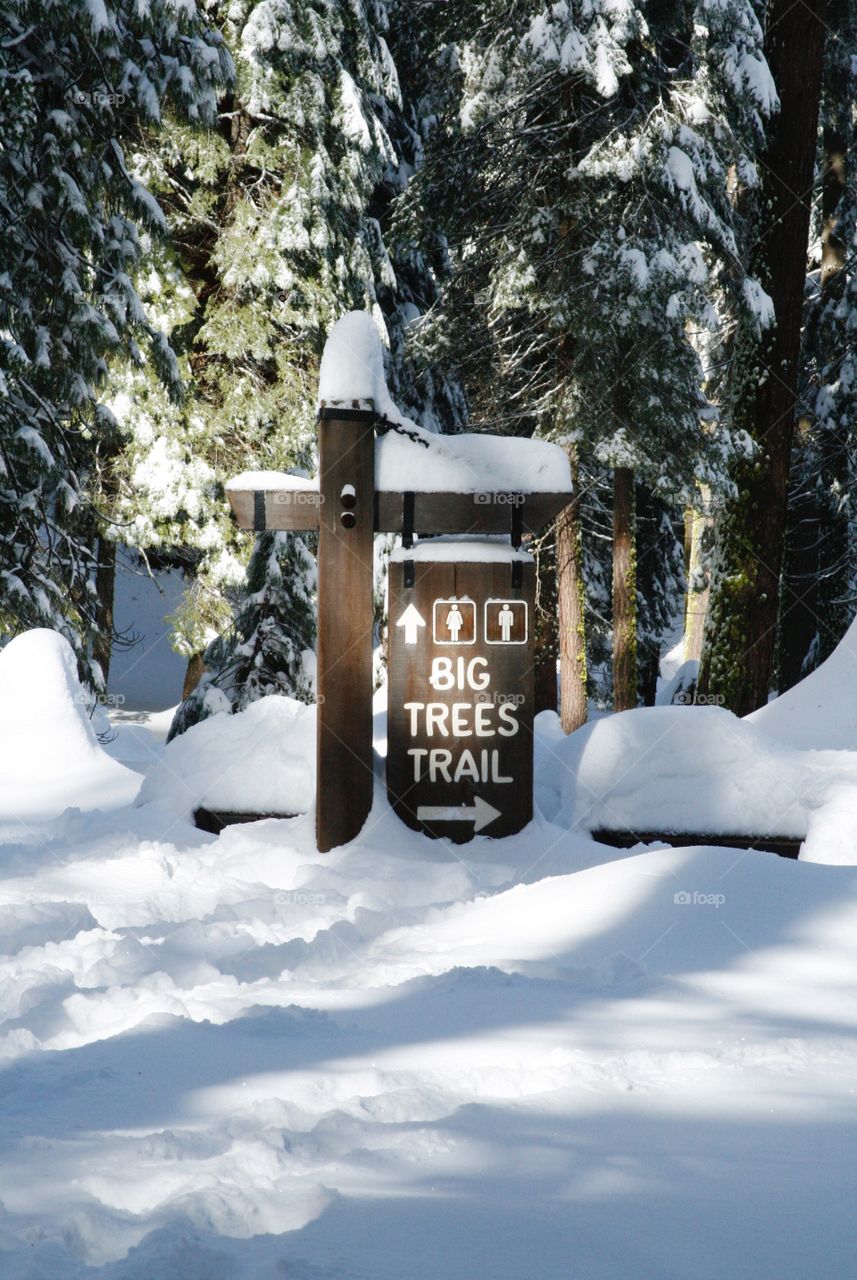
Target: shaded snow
(233, 1059)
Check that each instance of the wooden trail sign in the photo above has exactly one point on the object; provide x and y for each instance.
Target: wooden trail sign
(460, 690)
(347, 507)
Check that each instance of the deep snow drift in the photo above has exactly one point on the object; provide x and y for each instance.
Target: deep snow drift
(232, 1059)
(237, 1059)
(820, 711)
(259, 761)
(700, 770)
(50, 757)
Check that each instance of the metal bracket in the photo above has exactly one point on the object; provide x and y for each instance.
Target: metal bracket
(259, 522)
(517, 528)
(408, 519)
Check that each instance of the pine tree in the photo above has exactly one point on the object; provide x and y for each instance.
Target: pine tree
(740, 632)
(261, 654)
(279, 223)
(77, 82)
(604, 235)
(815, 609)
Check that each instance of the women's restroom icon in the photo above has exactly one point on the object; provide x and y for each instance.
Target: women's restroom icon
(454, 621)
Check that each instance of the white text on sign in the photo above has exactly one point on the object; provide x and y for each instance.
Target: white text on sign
(460, 720)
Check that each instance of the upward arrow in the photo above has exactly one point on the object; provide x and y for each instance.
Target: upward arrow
(411, 619)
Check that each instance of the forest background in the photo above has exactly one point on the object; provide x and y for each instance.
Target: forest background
(628, 228)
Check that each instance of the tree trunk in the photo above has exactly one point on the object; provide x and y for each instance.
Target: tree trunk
(798, 625)
(545, 628)
(193, 674)
(105, 583)
(573, 708)
(815, 578)
(697, 524)
(624, 592)
(741, 628)
(834, 613)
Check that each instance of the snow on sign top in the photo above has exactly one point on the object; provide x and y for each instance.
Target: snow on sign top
(265, 481)
(469, 464)
(460, 548)
(352, 376)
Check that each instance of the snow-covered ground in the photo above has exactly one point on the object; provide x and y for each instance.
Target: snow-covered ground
(530, 1059)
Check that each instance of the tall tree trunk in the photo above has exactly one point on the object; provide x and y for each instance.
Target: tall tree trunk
(105, 583)
(833, 444)
(574, 707)
(193, 674)
(741, 627)
(815, 578)
(545, 631)
(624, 592)
(697, 525)
(798, 623)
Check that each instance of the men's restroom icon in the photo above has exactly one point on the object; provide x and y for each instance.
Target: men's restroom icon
(506, 621)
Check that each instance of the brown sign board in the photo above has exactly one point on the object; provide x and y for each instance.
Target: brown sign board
(460, 692)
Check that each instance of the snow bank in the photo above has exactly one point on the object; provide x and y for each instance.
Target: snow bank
(694, 769)
(50, 757)
(261, 760)
(352, 374)
(820, 711)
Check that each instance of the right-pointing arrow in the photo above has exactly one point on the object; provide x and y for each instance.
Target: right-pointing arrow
(411, 619)
(480, 813)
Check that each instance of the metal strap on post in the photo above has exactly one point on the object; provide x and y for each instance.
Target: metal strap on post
(259, 523)
(517, 525)
(408, 503)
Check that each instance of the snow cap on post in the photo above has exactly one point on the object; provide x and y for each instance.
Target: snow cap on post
(352, 365)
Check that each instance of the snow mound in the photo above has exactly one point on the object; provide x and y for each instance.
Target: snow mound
(261, 760)
(50, 757)
(352, 374)
(820, 711)
(694, 769)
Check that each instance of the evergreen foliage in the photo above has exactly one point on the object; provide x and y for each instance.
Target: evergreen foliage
(551, 210)
(278, 225)
(77, 82)
(261, 654)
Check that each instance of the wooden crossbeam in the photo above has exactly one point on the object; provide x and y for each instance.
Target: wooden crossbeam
(297, 510)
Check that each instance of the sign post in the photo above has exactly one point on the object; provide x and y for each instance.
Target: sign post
(460, 688)
(346, 535)
(460, 757)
